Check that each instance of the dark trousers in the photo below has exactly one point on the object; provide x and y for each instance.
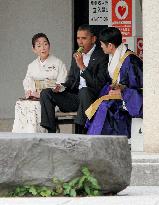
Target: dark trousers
(67, 102)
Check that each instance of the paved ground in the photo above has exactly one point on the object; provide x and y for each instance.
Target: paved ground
(130, 196)
(140, 191)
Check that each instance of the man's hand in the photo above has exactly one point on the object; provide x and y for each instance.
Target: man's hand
(57, 88)
(115, 92)
(117, 86)
(79, 60)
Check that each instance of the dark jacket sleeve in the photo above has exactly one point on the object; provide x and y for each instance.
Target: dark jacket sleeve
(71, 78)
(96, 74)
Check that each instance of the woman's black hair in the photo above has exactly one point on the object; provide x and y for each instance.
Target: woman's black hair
(39, 35)
(111, 35)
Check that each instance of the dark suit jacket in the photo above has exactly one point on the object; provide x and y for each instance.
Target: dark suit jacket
(95, 74)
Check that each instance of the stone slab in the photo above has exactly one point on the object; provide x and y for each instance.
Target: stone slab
(145, 169)
(36, 158)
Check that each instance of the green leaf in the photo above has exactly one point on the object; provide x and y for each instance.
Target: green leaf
(33, 191)
(55, 181)
(22, 193)
(17, 190)
(73, 182)
(87, 189)
(66, 191)
(85, 171)
(66, 188)
(27, 187)
(96, 193)
(72, 193)
(94, 182)
(66, 185)
(46, 193)
(52, 193)
(59, 189)
(81, 181)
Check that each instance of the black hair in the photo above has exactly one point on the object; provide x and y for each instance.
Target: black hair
(87, 27)
(39, 35)
(111, 35)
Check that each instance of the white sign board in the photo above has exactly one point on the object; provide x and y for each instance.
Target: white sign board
(99, 12)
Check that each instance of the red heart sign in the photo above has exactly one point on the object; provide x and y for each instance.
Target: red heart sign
(121, 10)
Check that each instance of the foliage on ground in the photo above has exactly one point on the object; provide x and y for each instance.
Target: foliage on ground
(85, 185)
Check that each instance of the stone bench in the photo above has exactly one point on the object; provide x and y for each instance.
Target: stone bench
(66, 118)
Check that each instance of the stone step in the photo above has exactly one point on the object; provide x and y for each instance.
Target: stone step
(145, 169)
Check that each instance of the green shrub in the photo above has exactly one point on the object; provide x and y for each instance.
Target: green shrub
(85, 185)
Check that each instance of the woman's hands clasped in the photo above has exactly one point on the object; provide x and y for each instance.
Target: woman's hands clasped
(32, 94)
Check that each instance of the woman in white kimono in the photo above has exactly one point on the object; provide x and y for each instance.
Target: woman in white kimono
(46, 71)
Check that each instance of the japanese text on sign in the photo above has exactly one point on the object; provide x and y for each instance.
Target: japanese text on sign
(98, 12)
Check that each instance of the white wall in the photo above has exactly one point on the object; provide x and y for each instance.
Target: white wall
(19, 21)
(151, 75)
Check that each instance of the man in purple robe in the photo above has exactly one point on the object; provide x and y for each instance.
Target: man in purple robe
(113, 116)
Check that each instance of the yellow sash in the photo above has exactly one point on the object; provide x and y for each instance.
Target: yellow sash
(94, 106)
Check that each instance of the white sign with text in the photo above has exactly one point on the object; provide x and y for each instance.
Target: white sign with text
(99, 12)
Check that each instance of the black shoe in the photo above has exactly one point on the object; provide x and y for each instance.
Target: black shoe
(51, 131)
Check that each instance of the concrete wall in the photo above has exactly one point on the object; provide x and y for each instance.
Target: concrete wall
(19, 21)
(151, 75)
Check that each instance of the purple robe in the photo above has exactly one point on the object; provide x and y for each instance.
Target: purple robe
(111, 118)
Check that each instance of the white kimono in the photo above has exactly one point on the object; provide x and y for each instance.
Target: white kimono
(27, 112)
(52, 68)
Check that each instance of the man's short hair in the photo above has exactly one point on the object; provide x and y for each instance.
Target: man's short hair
(39, 35)
(111, 35)
(87, 27)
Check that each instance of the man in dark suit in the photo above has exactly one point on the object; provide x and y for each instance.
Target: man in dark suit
(87, 75)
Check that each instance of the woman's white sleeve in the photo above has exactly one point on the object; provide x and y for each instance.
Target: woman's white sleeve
(62, 73)
(28, 82)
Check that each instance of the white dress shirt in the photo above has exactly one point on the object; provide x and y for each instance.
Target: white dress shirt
(86, 58)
